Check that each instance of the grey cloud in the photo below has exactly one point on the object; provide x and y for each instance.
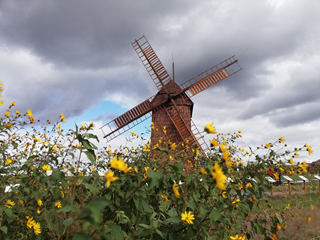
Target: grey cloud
(88, 45)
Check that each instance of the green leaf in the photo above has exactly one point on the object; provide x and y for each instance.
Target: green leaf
(56, 174)
(71, 208)
(101, 203)
(191, 204)
(172, 220)
(8, 211)
(96, 213)
(4, 229)
(259, 228)
(155, 178)
(117, 232)
(203, 213)
(79, 181)
(214, 216)
(86, 144)
(81, 236)
(55, 193)
(91, 155)
(161, 150)
(92, 188)
(89, 135)
(159, 232)
(172, 212)
(180, 167)
(15, 145)
(188, 180)
(68, 222)
(145, 226)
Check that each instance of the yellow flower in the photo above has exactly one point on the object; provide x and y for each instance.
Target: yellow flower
(58, 127)
(276, 176)
(175, 189)
(46, 167)
(173, 146)
(214, 143)
(311, 206)
(288, 206)
(30, 222)
(12, 104)
(218, 175)
(7, 114)
(296, 154)
(57, 204)
(291, 161)
(29, 113)
(17, 112)
(241, 237)
(36, 228)
(309, 220)
(54, 149)
(203, 171)
(267, 145)
(210, 129)
(8, 203)
(226, 156)
(31, 119)
(8, 161)
(310, 151)
(38, 211)
(110, 177)
(270, 206)
(63, 119)
(83, 126)
(39, 202)
(146, 172)
(278, 228)
(223, 194)
(187, 217)
(277, 215)
(20, 202)
(78, 145)
(117, 164)
(249, 185)
(133, 133)
(164, 198)
(281, 139)
(136, 170)
(240, 186)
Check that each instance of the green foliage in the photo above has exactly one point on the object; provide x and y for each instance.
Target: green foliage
(53, 184)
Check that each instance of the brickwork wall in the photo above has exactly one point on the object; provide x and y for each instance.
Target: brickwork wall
(160, 118)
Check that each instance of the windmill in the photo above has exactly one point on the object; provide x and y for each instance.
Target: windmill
(171, 106)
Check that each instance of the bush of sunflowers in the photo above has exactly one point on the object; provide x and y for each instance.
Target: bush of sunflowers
(59, 185)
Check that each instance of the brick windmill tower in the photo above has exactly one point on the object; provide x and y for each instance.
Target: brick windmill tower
(171, 106)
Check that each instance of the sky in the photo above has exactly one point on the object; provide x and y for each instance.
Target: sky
(75, 57)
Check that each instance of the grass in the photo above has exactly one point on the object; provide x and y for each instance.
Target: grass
(297, 216)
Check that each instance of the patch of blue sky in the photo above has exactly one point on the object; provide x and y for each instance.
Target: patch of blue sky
(106, 111)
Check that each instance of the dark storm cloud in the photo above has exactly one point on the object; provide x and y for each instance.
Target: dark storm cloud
(87, 43)
(91, 34)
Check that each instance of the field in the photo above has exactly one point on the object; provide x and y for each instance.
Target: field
(303, 206)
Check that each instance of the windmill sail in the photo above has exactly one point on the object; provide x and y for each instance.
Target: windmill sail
(127, 120)
(210, 77)
(152, 63)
